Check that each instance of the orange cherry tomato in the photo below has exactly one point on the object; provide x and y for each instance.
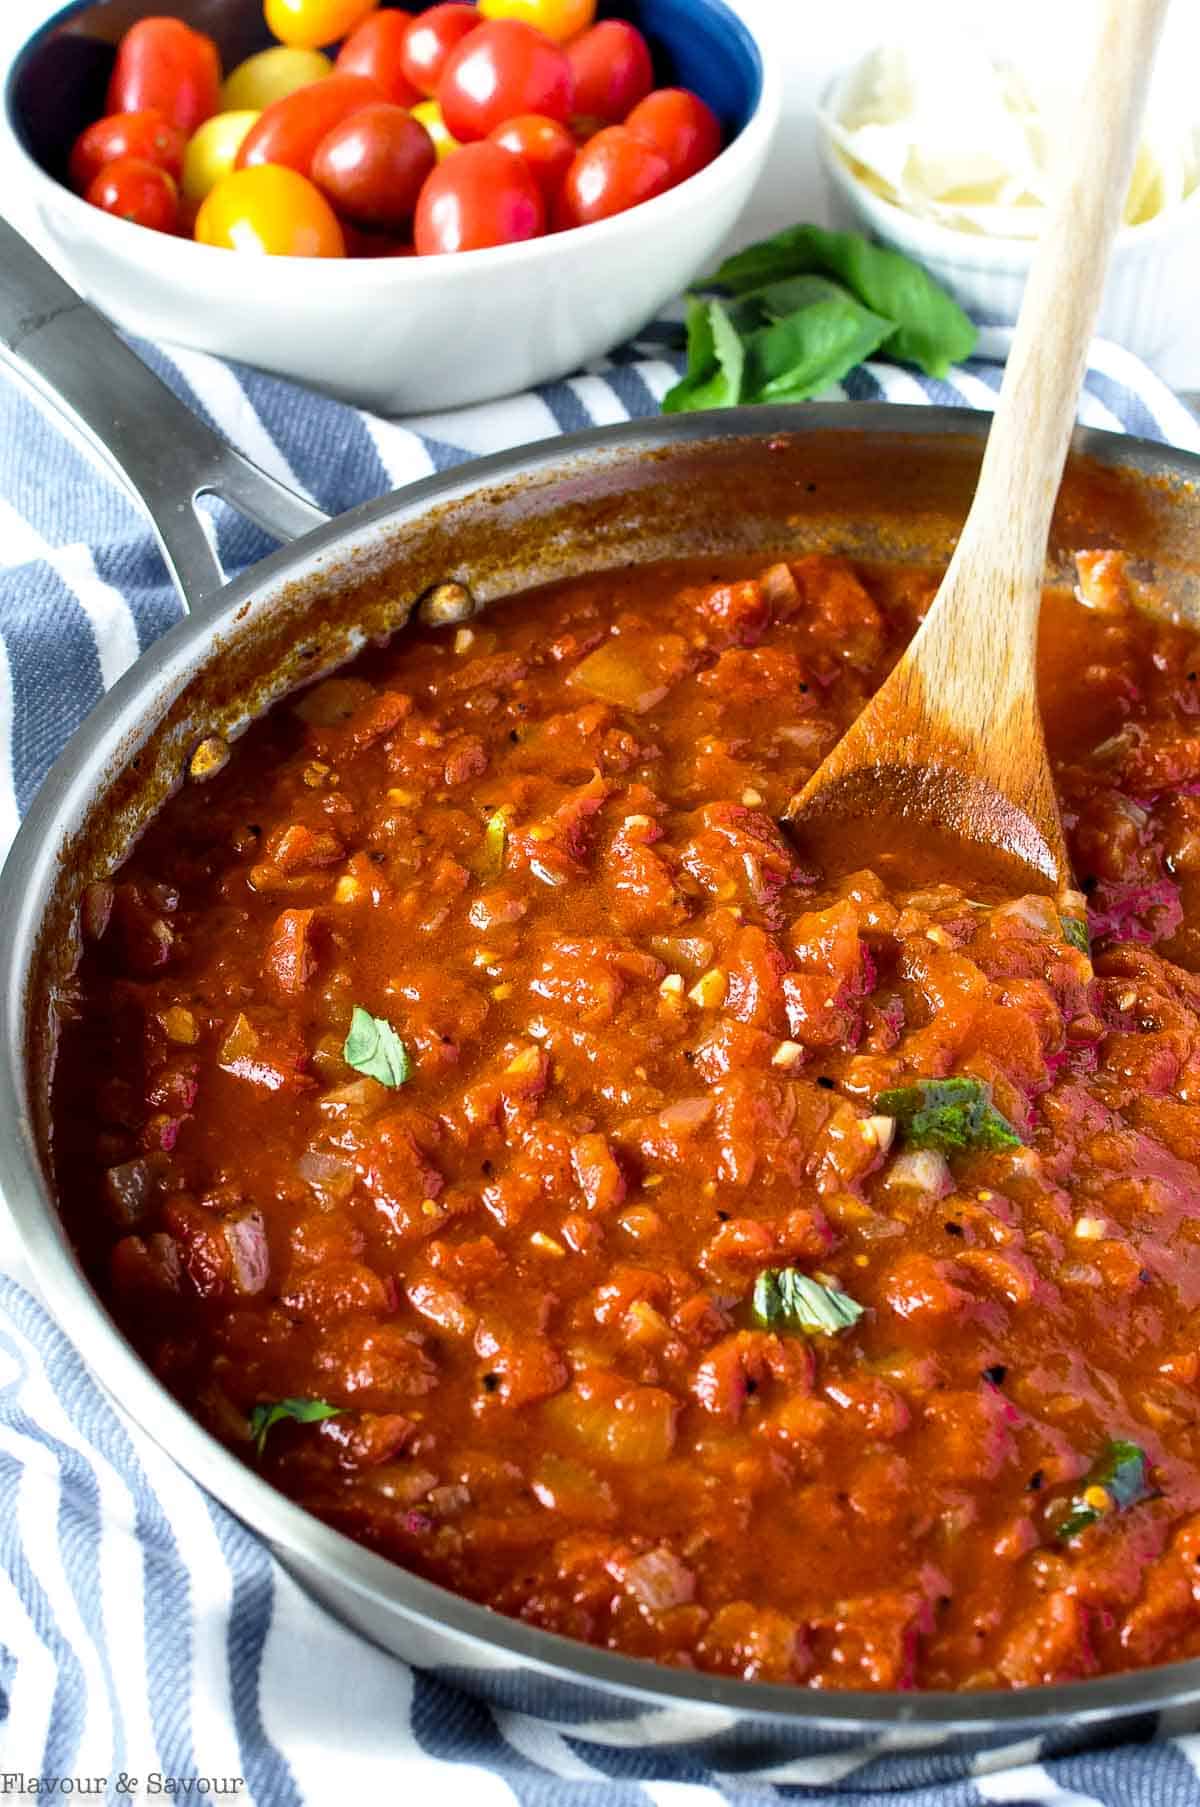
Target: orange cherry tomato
(430, 39)
(613, 70)
(134, 189)
(269, 212)
(546, 148)
(500, 70)
(559, 19)
(612, 173)
(289, 130)
(163, 64)
(372, 166)
(481, 196)
(311, 24)
(376, 50)
(680, 127)
(146, 134)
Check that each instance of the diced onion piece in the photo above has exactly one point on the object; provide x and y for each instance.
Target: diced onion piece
(633, 671)
(249, 1253)
(924, 1169)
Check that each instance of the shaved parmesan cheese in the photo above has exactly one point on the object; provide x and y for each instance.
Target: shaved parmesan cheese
(954, 135)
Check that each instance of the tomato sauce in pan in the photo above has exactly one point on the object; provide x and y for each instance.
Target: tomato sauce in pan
(484, 1123)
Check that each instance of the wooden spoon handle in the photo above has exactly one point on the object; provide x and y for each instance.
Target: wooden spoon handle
(1004, 539)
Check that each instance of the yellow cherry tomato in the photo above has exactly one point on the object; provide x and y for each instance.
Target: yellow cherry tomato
(270, 211)
(272, 75)
(212, 151)
(308, 24)
(430, 116)
(559, 19)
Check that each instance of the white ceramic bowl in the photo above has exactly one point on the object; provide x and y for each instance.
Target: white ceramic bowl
(400, 335)
(1150, 297)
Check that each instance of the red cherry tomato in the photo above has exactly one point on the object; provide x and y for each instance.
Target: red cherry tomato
(431, 38)
(483, 195)
(613, 172)
(376, 50)
(372, 166)
(146, 135)
(164, 64)
(612, 69)
(680, 127)
(502, 69)
(289, 130)
(137, 190)
(545, 147)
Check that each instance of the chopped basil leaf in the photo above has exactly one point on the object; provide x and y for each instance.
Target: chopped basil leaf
(304, 1411)
(948, 1115)
(373, 1047)
(786, 1298)
(716, 362)
(1075, 931)
(1119, 1472)
(927, 327)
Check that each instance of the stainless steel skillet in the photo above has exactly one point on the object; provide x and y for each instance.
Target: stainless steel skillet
(872, 481)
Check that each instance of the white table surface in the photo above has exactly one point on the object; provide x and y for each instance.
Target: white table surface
(812, 41)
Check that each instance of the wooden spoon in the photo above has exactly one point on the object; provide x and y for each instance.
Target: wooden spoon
(944, 774)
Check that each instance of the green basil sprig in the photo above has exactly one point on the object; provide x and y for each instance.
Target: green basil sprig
(303, 1411)
(786, 1299)
(803, 309)
(949, 1115)
(373, 1048)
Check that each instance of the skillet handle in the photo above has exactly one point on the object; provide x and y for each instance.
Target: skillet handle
(72, 359)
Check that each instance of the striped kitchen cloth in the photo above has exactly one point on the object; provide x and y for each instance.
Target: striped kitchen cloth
(150, 1647)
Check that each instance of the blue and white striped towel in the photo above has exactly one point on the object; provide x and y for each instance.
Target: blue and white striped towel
(143, 1631)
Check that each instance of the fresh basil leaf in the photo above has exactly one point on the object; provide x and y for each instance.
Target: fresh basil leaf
(716, 360)
(304, 1411)
(929, 327)
(373, 1047)
(1075, 932)
(949, 1115)
(805, 351)
(1119, 1475)
(785, 1297)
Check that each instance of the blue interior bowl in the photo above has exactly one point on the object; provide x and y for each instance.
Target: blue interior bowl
(57, 82)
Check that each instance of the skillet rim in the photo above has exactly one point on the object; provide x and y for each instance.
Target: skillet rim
(288, 1529)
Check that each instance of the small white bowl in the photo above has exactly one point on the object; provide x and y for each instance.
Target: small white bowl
(402, 335)
(1149, 298)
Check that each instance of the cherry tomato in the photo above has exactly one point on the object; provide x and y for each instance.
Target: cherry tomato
(545, 147)
(309, 24)
(481, 196)
(270, 76)
(613, 172)
(134, 189)
(375, 244)
(503, 69)
(270, 212)
(372, 166)
(290, 130)
(612, 69)
(680, 127)
(146, 135)
(164, 64)
(431, 38)
(212, 152)
(559, 19)
(430, 116)
(376, 50)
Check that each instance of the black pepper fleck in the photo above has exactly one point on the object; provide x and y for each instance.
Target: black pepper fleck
(995, 1374)
(824, 1081)
(1037, 1481)
(724, 1216)
(954, 1229)
(490, 1382)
